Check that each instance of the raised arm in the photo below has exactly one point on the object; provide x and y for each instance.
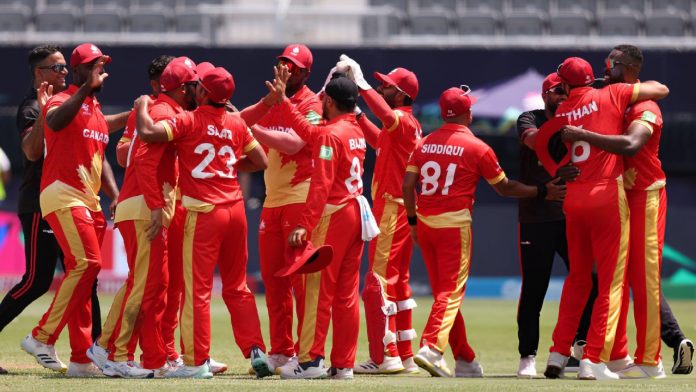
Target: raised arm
(147, 130)
(286, 142)
(369, 129)
(33, 141)
(276, 92)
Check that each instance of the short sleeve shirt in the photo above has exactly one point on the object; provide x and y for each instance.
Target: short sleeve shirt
(643, 171)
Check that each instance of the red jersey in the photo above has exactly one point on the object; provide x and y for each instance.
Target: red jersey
(139, 193)
(338, 154)
(73, 156)
(394, 146)
(209, 143)
(601, 111)
(644, 170)
(450, 162)
(287, 176)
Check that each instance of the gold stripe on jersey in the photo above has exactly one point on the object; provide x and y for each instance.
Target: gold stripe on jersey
(496, 179)
(276, 177)
(412, 169)
(187, 331)
(252, 145)
(135, 208)
(448, 219)
(643, 123)
(124, 140)
(636, 91)
(397, 114)
(652, 277)
(168, 129)
(196, 205)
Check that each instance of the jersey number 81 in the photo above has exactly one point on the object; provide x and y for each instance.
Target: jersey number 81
(430, 181)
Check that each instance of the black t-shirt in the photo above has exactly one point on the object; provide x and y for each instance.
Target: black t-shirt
(27, 113)
(532, 173)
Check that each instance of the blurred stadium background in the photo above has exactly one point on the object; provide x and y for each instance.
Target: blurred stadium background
(501, 48)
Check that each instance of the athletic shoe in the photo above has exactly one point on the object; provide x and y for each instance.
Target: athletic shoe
(410, 366)
(45, 354)
(555, 366)
(134, 364)
(340, 373)
(125, 370)
(656, 371)
(617, 365)
(308, 370)
(432, 362)
(467, 369)
(185, 371)
(595, 371)
(82, 370)
(277, 360)
(215, 366)
(389, 365)
(164, 370)
(683, 358)
(98, 355)
(259, 363)
(576, 353)
(527, 368)
(175, 362)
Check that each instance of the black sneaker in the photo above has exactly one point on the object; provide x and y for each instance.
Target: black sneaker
(683, 358)
(573, 365)
(259, 363)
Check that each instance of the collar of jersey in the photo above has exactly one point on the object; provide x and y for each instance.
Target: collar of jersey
(72, 89)
(164, 98)
(211, 109)
(344, 116)
(456, 128)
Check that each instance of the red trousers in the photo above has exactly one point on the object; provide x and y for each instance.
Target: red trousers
(447, 256)
(216, 238)
(136, 313)
(79, 233)
(175, 289)
(331, 295)
(597, 227)
(389, 258)
(648, 213)
(274, 230)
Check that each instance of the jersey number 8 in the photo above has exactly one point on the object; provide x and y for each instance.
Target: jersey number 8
(354, 182)
(430, 181)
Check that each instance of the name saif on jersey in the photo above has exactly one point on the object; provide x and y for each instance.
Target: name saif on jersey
(98, 136)
(442, 149)
(580, 112)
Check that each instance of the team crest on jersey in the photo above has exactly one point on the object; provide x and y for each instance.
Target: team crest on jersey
(326, 152)
(85, 110)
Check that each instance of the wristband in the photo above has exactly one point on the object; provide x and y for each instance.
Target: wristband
(412, 220)
(541, 191)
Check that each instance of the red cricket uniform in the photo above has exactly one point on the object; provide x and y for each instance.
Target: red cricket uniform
(287, 184)
(209, 143)
(389, 254)
(597, 224)
(70, 183)
(137, 310)
(644, 182)
(332, 216)
(450, 162)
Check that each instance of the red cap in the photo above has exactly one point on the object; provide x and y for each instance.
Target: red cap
(402, 79)
(179, 71)
(299, 55)
(552, 80)
(86, 53)
(305, 259)
(454, 102)
(204, 67)
(219, 84)
(576, 72)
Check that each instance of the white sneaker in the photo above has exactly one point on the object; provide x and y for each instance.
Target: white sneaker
(98, 355)
(291, 364)
(595, 371)
(633, 371)
(389, 365)
(82, 370)
(656, 372)
(555, 366)
(410, 366)
(163, 371)
(307, 370)
(683, 358)
(277, 360)
(466, 369)
(45, 354)
(175, 362)
(215, 366)
(432, 362)
(620, 364)
(527, 368)
(125, 370)
(134, 364)
(185, 371)
(340, 373)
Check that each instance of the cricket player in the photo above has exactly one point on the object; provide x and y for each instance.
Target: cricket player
(332, 216)
(644, 182)
(212, 145)
(447, 165)
(76, 134)
(597, 218)
(387, 293)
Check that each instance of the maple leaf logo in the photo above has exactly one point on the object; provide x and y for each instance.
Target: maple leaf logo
(91, 177)
(629, 178)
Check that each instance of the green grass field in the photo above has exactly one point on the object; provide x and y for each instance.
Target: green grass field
(490, 326)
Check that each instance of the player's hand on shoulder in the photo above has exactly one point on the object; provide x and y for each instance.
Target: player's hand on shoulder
(571, 133)
(142, 101)
(555, 190)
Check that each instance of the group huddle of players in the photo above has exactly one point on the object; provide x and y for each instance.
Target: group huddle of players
(181, 215)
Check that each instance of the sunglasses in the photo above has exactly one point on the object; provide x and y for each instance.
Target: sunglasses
(292, 67)
(57, 67)
(556, 90)
(465, 88)
(611, 63)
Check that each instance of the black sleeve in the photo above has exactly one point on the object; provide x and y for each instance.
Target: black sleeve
(525, 121)
(27, 114)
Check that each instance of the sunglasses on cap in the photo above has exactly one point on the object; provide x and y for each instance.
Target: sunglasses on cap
(611, 63)
(292, 67)
(465, 88)
(556, 90)
(57, 67)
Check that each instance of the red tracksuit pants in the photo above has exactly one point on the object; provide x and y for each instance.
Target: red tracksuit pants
(597, 227)
(331, 295)
(136, 313)
(175, 289)
(447, 256)
(389, 258)
(79, 233)
(648, 215)
(274, 230)
(216, 238)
